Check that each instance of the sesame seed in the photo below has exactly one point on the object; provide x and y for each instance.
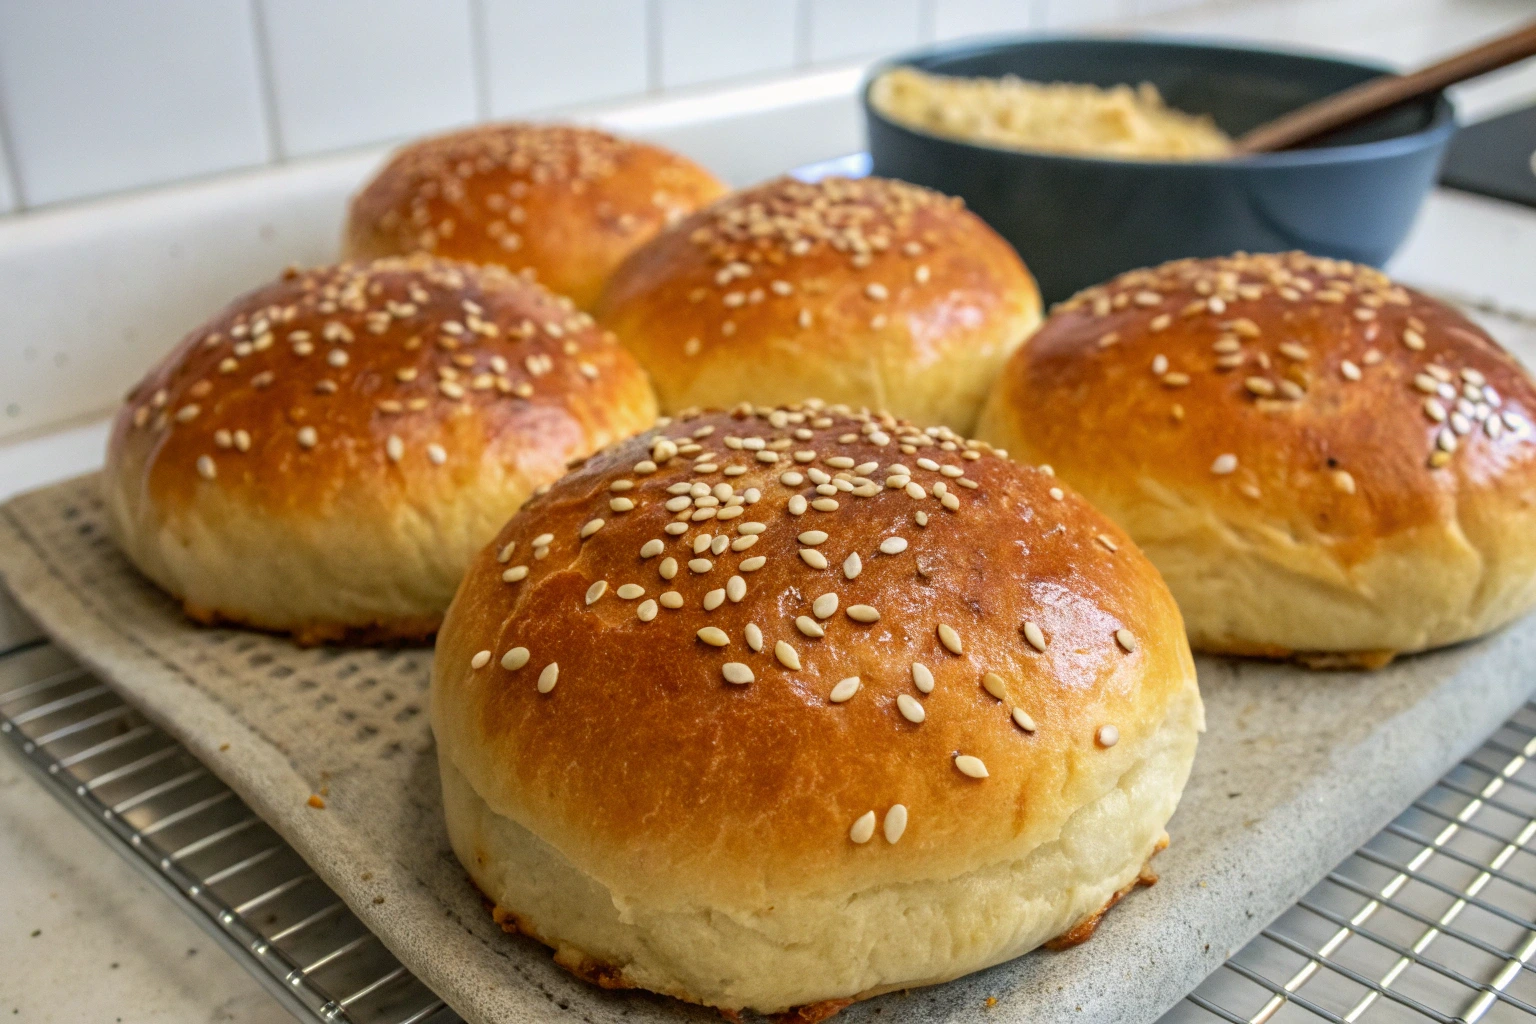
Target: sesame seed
(1159, 364)
(1058, 493)
(307, 437)
(787, 655)
(736, 672)
(1349, 370)
(651, 548)
(811, 538)
(797, 505)
(668, 567)
(621, 504)
(1224, 464)
(813, 558)
(543, 540)
(895, 822)
(505, 554)
(1107, 735)
(596, 591)
(922, 518)
(480, 660)
(671, 599)
(735, 589)
(743, 543)
(394, 448)
(436, 453)
(1125, 638)
(1034, 636)
(714, 599)
(700, 565)
(950, 502)
(852, 565)
(514, 659)
(922, 677)
(644, 467)
(844, 690)
(752, 564)
(1108, 542)
(517, 572)
(750, 527)
(630, 591)
(714, 636)
(916, 490)
(1261, 386)
(824, 606)
(825, 504)
(863, 829)
(810, 627)
(863, 613)
(995, 684)
(971, 766)
(549, 677)
(590, 527)
(206, 467)
(949, 638)
(1022, 720)
(1344, 481)
(893, 545)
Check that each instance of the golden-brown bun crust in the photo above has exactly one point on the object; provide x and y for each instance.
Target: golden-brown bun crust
(717, 816)
(872, 293)
(565, 202)
(1379, 494)
(324, 456)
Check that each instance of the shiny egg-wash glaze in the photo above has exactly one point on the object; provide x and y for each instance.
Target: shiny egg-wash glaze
(325, 455)
(1323, 463)
(787, 707)
(872, 292)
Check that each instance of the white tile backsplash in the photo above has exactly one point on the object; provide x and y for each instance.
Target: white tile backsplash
(1055, 14)
(709, 40)
(103, 95)
(955, 19)
(841, 29)
(544, 55)
(350, 72)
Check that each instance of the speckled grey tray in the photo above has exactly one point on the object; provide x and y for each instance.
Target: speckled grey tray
(1296, 770)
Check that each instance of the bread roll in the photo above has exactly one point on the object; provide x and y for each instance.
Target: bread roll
(1325, 465)
(563, 203)
(791, 707)
(871, 292)
(324, 457)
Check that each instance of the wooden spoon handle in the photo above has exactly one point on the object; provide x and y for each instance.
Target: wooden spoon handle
(1378, 94)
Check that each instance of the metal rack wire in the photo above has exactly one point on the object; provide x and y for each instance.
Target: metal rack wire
(1432, 919)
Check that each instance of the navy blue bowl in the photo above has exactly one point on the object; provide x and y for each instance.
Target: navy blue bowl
(1078, 221)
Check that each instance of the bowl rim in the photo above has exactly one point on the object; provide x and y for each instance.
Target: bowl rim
(1441, 126)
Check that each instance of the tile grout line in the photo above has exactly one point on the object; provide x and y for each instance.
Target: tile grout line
(480, 59)
(8, 165)
(267, 84)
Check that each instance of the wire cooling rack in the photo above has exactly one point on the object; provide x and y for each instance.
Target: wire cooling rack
(1433, 919)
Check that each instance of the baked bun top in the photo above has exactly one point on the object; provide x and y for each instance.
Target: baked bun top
(868, 292)
(649, 666)
(563, 202)
(404, 377)
(1279, 387)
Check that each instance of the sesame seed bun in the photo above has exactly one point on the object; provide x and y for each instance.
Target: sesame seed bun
(325, 456)
(754, 745)
(872, 293)
(1324, 464)
(563, 203)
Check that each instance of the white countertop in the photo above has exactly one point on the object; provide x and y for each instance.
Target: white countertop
(83, 938)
